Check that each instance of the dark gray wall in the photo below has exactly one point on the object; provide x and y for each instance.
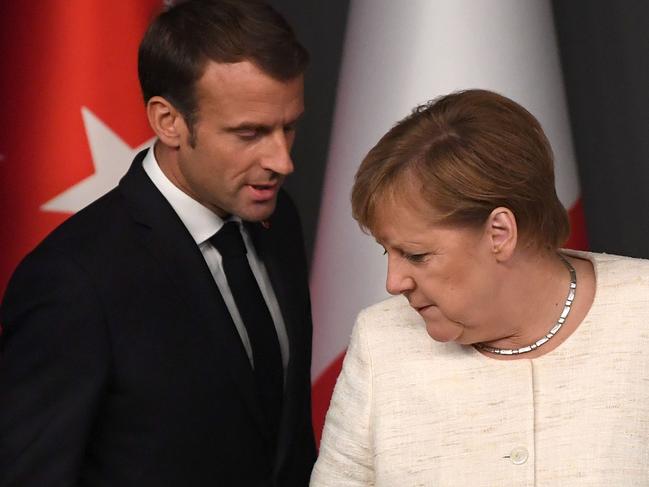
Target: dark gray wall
(321, 28)
(604, 49)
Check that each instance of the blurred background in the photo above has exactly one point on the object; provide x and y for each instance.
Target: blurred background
(73, 118)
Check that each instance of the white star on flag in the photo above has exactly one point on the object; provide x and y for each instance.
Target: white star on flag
(111, 157)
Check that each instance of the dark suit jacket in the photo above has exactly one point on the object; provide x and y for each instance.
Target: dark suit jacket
(121, 365)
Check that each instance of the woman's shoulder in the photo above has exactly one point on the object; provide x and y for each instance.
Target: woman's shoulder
(619, 279)
(611, 265)
(605, 258)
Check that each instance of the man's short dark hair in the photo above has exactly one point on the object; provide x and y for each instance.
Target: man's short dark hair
(181, 40)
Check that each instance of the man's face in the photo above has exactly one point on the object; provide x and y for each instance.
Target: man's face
(243, 133)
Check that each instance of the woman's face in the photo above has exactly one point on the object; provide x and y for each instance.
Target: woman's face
(448, 273)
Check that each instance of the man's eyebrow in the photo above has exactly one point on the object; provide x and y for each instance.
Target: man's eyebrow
(248, 126)
(259, 126)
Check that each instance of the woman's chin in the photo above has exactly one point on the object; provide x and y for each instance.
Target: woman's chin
(444, 332)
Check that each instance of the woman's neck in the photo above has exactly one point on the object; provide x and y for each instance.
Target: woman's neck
(533, 298)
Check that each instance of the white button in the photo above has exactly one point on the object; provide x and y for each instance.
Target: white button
(519, 455)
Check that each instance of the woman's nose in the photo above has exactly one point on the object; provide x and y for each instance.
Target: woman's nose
(397, 281)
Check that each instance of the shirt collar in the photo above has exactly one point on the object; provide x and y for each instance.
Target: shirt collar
(201, 222)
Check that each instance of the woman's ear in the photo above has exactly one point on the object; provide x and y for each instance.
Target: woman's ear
(502, 233)
(167, 123)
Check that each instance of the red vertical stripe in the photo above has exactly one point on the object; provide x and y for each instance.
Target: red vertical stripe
(578, 238)
(321, 394)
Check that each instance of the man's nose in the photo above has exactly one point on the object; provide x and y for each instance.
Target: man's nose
(278, 159)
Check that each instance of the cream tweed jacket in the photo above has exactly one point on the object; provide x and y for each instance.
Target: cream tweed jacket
(408, 411)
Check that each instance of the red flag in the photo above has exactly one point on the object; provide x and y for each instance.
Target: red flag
(72, 111)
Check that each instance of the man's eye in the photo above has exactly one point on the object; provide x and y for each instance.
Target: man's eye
(248, 134)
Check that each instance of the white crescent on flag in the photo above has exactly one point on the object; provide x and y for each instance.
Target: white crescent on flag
(398, 55)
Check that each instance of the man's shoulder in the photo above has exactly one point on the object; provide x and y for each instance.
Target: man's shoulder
(103, 217)
(89, 225)
(92, 240)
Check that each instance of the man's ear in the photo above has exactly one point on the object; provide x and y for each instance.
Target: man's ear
(167, 122)
(502, 233)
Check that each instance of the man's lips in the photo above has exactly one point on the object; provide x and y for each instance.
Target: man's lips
(264, 191)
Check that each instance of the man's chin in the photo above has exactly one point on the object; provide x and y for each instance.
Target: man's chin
(258, 212)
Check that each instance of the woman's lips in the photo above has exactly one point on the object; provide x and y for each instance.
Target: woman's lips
(423, 308)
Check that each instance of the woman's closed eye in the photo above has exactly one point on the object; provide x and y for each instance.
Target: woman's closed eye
(415, 258)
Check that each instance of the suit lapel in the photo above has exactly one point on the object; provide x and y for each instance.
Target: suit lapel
(170, 244)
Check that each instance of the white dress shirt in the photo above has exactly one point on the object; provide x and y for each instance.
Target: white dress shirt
(202, 223)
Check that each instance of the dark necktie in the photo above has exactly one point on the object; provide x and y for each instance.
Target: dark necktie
(267, 358)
